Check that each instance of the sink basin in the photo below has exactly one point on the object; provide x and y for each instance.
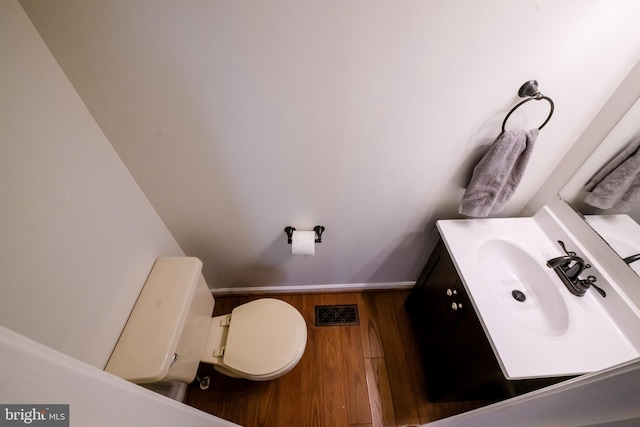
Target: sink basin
(505, 268)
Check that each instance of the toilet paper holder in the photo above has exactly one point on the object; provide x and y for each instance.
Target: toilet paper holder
(319, 229)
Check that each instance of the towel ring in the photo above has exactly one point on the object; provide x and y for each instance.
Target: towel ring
(530, 89)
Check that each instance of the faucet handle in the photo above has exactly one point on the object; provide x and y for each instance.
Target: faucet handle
(571, 253)
(564, 248)
(592, 279)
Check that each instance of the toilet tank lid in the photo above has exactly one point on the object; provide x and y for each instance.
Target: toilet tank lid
(150, 337)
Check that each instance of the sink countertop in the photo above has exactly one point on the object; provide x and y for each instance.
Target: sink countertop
(552, 333)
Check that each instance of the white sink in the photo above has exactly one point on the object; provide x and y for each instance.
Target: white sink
(552, 332)
(537, 304)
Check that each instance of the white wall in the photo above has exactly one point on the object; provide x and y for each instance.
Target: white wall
(240, 118)
(78, 237)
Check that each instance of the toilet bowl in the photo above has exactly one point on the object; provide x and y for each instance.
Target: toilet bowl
(260, 340)
(170, 331)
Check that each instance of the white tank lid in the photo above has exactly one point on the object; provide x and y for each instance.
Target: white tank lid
(265, 335)
(145, 350)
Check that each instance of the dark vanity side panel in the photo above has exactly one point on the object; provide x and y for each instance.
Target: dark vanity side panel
(459, 361)
(429, 305)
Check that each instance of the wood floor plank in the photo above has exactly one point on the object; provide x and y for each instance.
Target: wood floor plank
(334, 388)
(260, 410)
(381, 400)
(403, 394)
(312, 383)
(369, 328)
(354, 378)
(358, 409)
(312, 389)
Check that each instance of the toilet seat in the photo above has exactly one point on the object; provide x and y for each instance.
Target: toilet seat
(265, 336)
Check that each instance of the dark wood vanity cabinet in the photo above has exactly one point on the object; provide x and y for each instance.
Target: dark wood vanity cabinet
(458, 359)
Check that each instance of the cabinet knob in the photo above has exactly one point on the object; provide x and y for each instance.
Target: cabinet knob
(456, 306)
(451, 292)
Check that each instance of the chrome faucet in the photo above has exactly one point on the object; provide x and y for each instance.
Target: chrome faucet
(570, 274)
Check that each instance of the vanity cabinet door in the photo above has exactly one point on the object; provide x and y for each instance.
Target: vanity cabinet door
(435, 298)
(458, 359)
(460, 364)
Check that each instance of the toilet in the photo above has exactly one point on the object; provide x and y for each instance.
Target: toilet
(170, 331)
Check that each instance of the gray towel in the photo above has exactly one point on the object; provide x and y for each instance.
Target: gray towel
(498, 173)
(617, 184)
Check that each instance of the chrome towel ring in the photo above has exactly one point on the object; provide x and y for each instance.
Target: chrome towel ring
(530, 90)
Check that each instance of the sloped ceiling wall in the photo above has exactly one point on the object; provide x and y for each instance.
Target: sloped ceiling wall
(240, 118)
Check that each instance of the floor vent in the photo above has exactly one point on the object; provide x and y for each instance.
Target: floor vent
(332, 315)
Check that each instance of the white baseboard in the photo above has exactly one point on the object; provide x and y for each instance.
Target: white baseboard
(314, 288)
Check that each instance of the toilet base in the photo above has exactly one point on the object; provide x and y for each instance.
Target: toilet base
(226, 372)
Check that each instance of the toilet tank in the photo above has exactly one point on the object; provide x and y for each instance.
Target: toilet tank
(165, 334)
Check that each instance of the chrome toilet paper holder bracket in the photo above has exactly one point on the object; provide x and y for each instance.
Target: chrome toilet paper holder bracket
(319, 229)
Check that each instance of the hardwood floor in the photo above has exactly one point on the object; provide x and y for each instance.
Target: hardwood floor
(350, 376)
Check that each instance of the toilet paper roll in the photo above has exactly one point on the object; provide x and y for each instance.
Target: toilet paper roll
(303, 243)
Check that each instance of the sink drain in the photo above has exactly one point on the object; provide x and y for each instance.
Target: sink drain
(518, 295)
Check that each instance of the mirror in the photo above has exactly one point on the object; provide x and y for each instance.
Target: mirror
(619, 226)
